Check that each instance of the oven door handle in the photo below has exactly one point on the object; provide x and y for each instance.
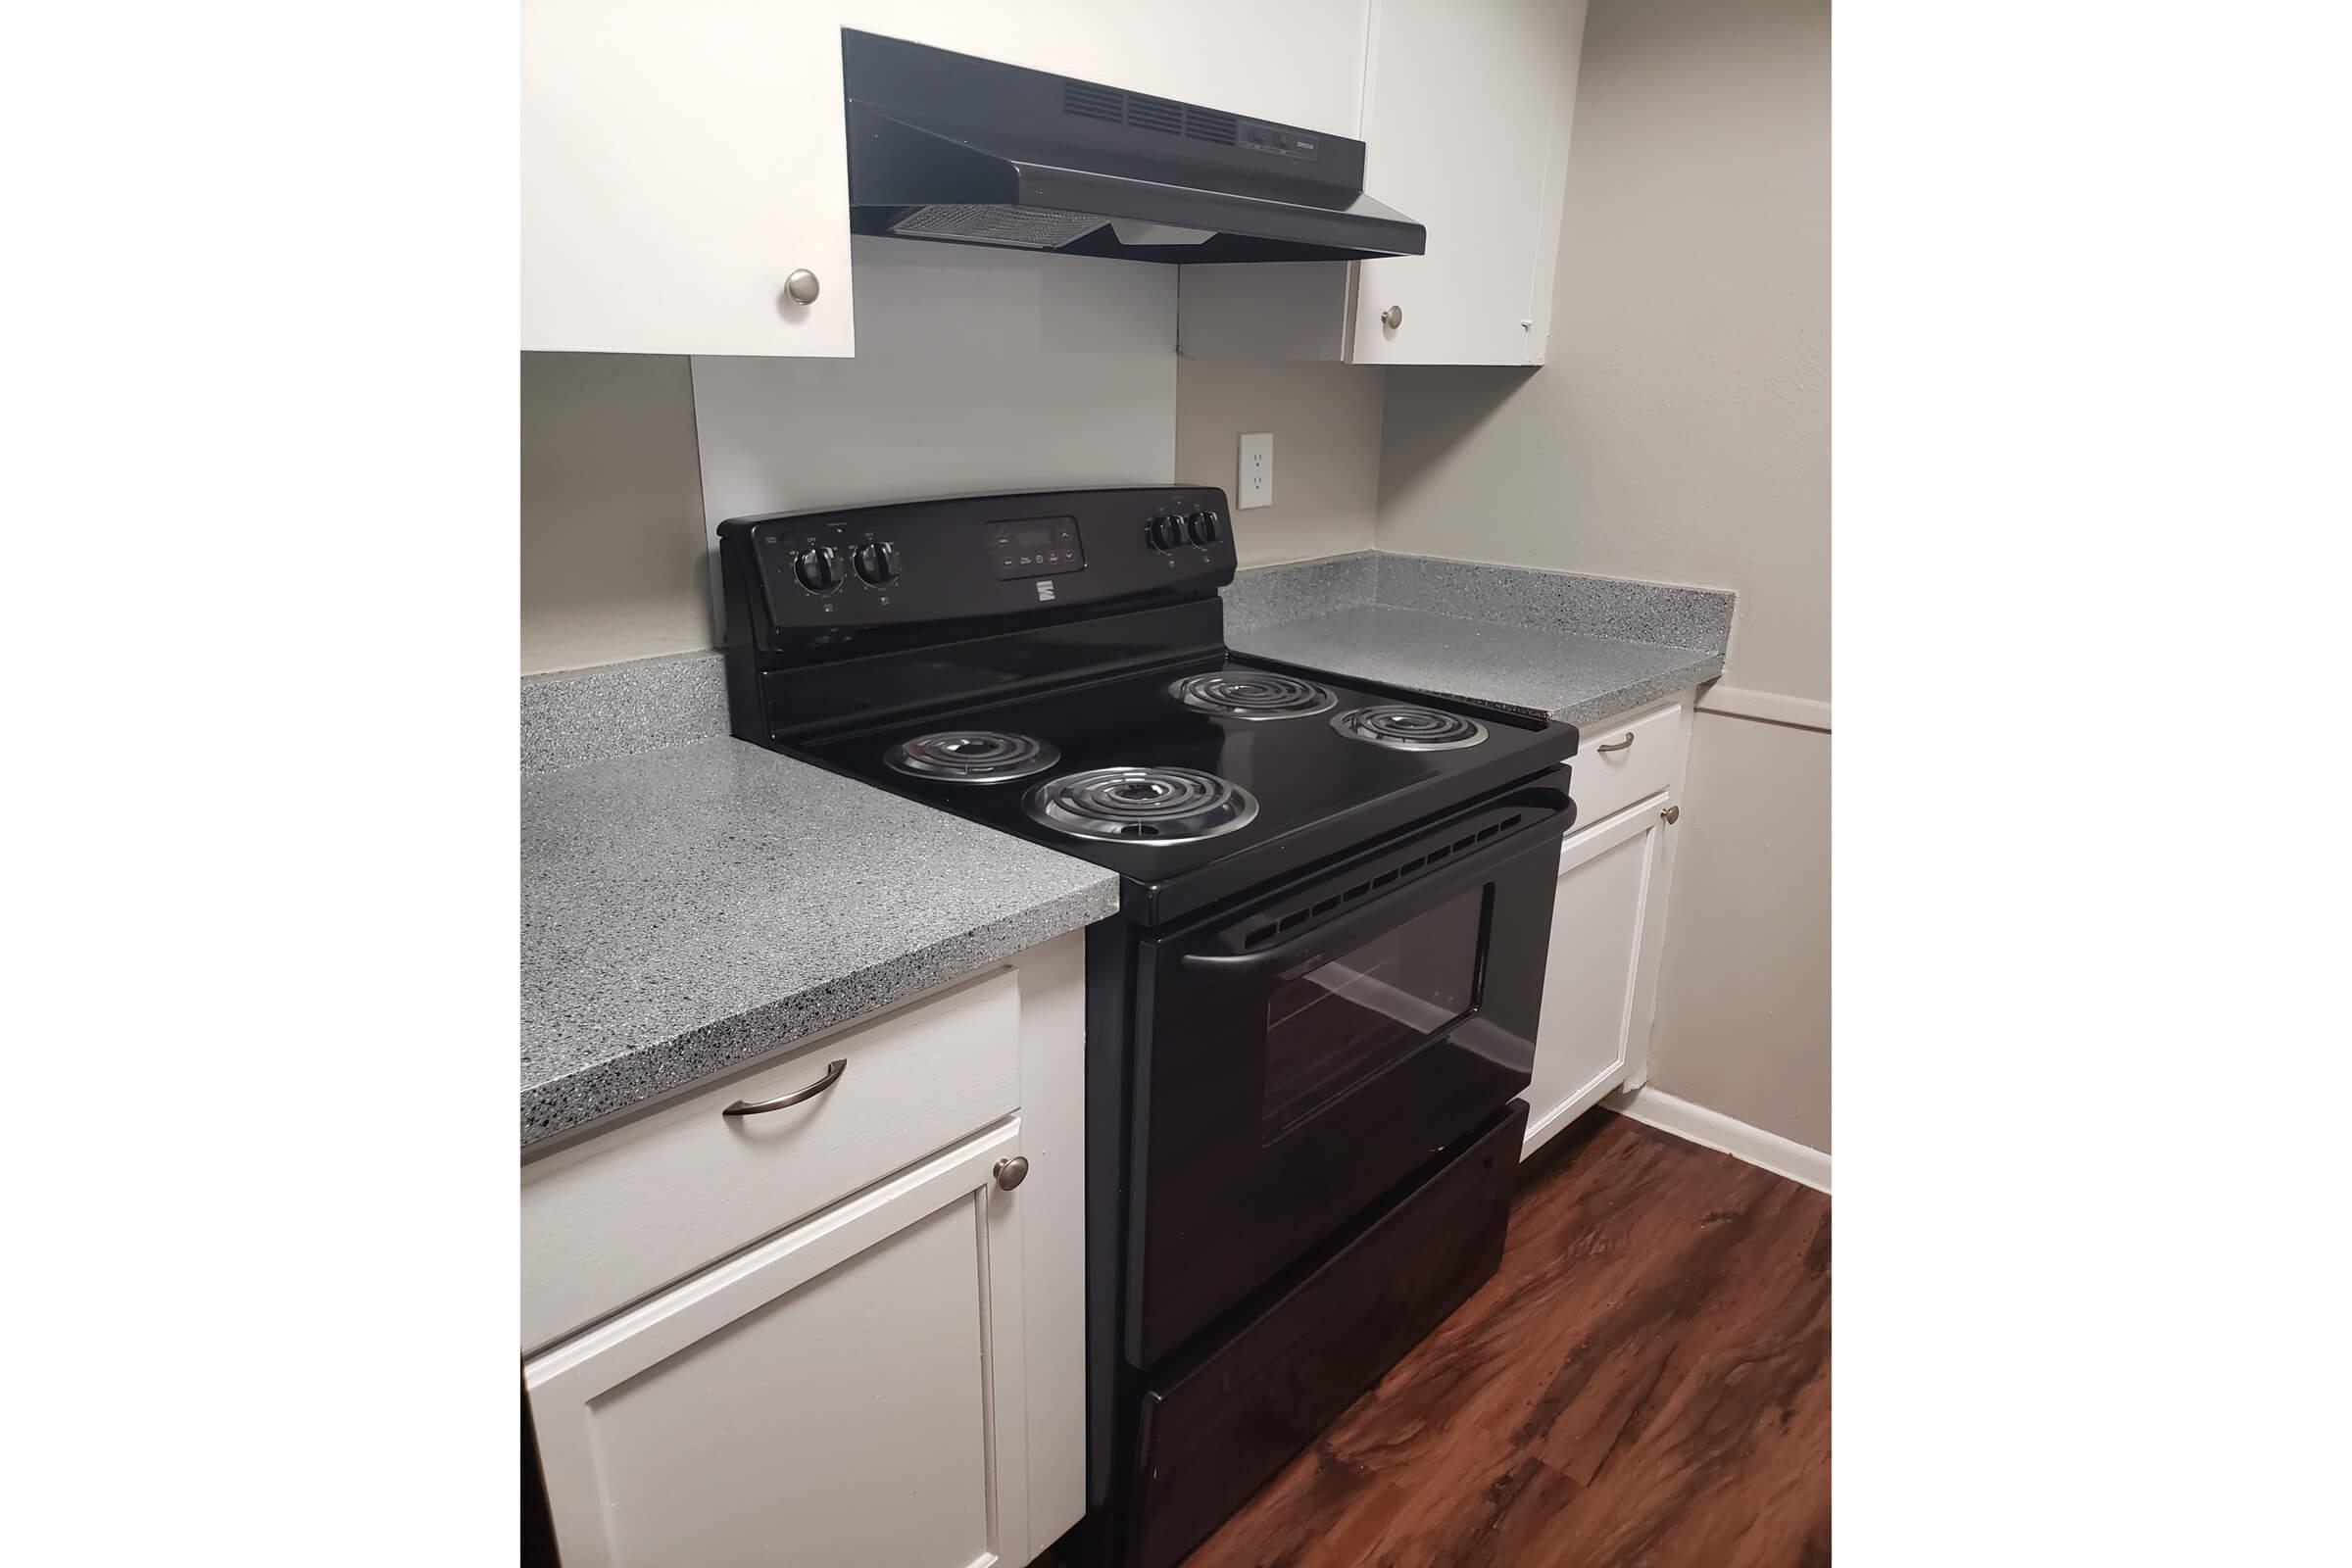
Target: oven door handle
(1392, 907)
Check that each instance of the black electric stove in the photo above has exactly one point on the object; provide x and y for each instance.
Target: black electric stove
(1307, 1024)
(1188, 805)
(1076, 691)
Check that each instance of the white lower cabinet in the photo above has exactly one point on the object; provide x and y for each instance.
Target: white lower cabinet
(1607, 932)
(897, 1377)
(850, 1393)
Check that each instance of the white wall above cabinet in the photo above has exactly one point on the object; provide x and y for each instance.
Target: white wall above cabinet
(1466, 118)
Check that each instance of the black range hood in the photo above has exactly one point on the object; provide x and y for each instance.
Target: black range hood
(949, 147)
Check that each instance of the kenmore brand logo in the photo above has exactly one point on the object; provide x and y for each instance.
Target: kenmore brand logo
(1045, 588)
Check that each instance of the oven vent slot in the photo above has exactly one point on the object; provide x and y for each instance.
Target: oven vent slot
(1259, 936)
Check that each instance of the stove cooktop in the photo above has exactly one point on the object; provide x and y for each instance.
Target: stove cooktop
(1201, 781)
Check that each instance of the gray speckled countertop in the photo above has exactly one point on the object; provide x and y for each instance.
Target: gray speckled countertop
(1558, 645)
(1551, 674)
(689, 909)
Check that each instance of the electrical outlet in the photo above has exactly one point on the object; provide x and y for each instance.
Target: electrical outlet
(1258, 472)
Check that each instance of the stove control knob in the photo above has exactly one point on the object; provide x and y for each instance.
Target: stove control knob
(1165, 533)
(819, 569)
(877, 561)
(1202, 527)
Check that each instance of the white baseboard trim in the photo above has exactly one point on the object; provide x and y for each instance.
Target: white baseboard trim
(1712, 1129)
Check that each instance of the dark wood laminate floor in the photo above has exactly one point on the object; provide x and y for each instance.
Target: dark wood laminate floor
(1645, 1381)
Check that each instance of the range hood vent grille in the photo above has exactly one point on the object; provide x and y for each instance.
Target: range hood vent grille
(1090, 101)
(1154, 114)
(1085, 99)
(1029, 228)
(1210, 125)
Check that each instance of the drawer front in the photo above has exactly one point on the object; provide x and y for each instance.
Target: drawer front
(1217, 1424)
(1608, 776)
(623, 1215)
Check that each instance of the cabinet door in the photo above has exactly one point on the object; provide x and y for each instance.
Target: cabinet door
(850, 1391)
(680, 160)
(1592, 973)
(1467, 114)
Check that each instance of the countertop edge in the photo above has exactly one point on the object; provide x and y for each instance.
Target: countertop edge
(1649, 689)
(633, 1080)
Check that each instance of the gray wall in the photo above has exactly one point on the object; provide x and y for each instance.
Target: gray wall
(1325, 420)
(1681, 433)
(613, 553)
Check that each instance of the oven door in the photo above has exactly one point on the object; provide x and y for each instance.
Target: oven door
(1299, 1058)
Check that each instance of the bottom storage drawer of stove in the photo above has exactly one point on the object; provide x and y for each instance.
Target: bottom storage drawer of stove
(1216, 1426)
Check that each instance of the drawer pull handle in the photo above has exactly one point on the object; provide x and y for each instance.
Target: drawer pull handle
(1617, 746)
(752, 1107)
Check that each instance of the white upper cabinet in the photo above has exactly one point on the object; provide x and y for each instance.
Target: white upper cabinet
(682, 161)
(1466, 115)
(1466, 121)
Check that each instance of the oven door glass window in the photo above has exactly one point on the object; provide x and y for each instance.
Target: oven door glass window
(1349, 1018)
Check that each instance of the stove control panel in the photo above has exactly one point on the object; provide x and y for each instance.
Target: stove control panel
(1036, 546)
(802, 577)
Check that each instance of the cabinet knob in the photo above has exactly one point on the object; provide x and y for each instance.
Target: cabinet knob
(1672, 813)
(801, 288)
(1011, 1173)
(1392, 318)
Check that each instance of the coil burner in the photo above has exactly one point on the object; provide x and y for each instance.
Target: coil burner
(1409, 727)
(972, 756)
(1254, 693)
(1142, 804)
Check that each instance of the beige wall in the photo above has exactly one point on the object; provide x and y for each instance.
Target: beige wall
(1681, 433)
(1326, 423)
(1743, 994)
(612, 555)
(1682, 429)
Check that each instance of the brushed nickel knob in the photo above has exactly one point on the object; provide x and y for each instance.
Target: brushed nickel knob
(1672, 813)
(1392, 318)
(1011, 1173)
(801, 288)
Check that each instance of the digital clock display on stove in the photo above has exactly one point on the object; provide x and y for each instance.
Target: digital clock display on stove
(1035, 547)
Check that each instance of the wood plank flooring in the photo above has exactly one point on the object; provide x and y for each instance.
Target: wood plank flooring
(1645, 1381)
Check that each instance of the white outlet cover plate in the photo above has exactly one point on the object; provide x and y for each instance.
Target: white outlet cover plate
(1256, 477)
